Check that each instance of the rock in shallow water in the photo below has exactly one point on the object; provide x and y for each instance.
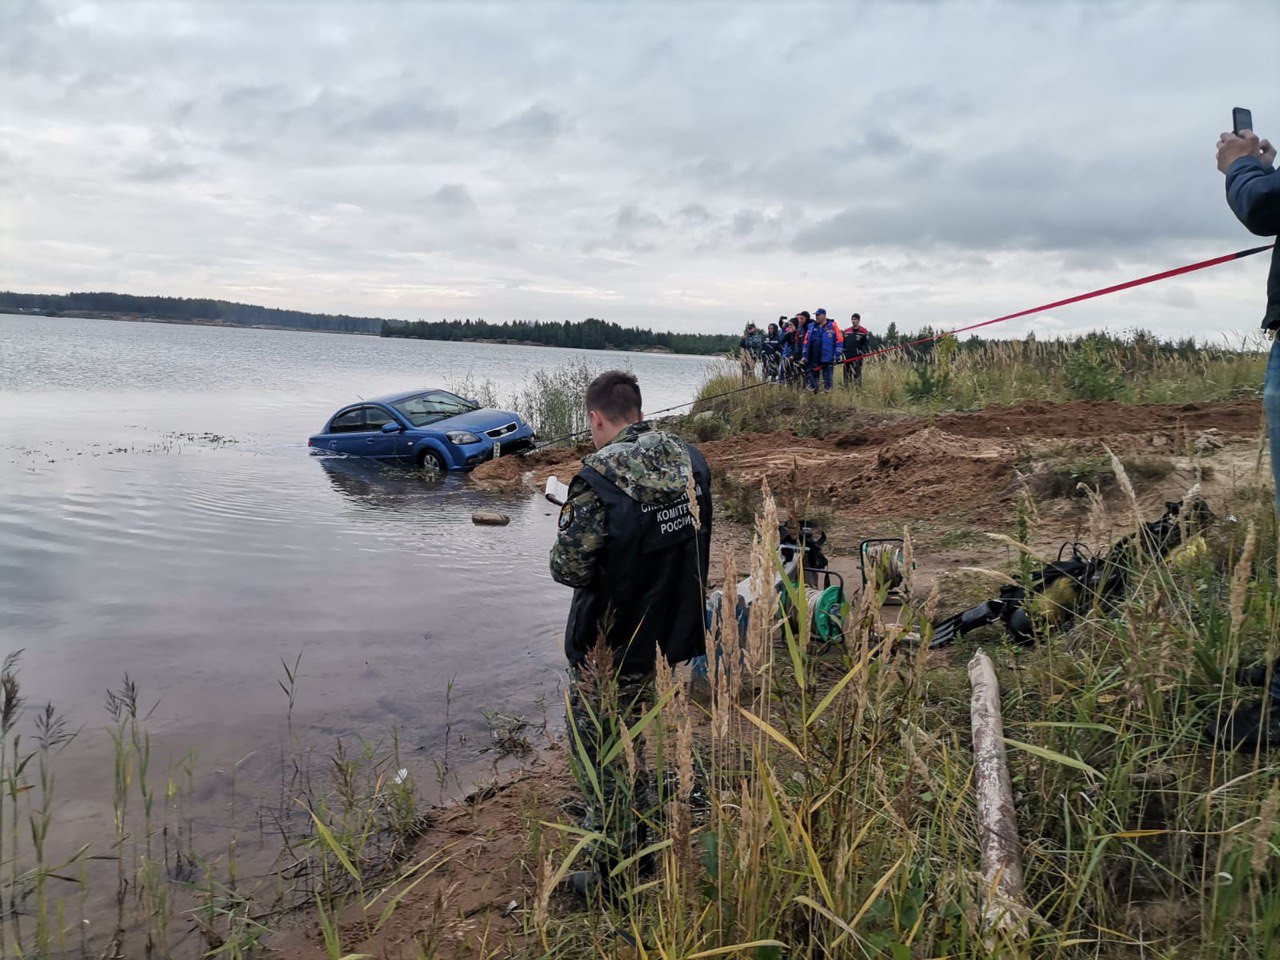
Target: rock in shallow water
(490, 518)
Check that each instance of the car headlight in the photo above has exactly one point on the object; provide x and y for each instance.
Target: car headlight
(462, 436)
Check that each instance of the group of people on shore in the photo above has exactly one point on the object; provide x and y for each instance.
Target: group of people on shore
(806, 349)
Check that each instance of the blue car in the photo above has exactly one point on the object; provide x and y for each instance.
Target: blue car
(433, 429)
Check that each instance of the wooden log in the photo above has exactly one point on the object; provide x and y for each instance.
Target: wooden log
(1003, 909)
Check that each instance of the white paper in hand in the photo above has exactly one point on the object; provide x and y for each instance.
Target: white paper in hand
(557, 491)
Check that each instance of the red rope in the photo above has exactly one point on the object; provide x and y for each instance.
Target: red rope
(1102, 292)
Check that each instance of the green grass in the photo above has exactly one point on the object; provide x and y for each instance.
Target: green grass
(972, 375)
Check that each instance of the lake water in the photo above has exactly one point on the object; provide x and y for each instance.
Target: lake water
(162, 518)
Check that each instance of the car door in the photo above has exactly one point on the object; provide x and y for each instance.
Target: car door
(346, 432)
(383, 446)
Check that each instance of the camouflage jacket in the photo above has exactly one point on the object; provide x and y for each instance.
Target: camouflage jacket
(648, 465)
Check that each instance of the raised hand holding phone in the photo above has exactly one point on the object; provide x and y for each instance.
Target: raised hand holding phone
(1242, 142)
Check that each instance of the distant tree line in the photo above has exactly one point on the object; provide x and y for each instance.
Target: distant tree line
(184, 309)
(589, 334)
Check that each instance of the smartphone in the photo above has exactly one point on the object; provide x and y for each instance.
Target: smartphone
(1241, 119)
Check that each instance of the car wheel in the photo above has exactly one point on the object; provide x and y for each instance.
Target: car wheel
(431, 463)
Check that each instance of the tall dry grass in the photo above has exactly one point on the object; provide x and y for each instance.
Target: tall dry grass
(978, 373)
(838, 816)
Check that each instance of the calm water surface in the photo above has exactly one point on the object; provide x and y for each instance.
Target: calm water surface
(162, 517)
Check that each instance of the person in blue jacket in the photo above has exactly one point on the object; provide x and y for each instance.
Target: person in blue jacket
(793, 348)
(822, 351)
(1253, 194)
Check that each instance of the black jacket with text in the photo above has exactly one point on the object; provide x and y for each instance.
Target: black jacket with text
(647, 591)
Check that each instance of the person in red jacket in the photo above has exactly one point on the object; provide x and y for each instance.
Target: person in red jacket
(857, 341)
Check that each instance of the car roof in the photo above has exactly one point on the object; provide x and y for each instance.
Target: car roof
(406, 394)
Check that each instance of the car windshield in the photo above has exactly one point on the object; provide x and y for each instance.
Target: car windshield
(432, 406)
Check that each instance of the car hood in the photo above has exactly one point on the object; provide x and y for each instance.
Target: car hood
(474, 420)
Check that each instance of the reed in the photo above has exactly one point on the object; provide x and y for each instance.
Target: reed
(550, 399)
(841, 821)
(349, 835)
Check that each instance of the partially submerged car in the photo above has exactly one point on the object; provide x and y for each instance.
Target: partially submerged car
(435, 429)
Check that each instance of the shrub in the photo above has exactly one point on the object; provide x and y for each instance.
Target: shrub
(1092, 375)
(552, 400)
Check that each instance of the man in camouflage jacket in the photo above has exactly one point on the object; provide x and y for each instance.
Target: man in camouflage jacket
(634, 541)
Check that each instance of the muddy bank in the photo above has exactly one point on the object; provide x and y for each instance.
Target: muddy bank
(481, 859)
(957, 464)
(1075, 419)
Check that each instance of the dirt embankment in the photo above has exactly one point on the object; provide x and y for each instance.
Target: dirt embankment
(950, 476)
(881, 464)
(477, 880)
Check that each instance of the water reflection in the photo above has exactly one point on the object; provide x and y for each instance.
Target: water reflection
(393, 487)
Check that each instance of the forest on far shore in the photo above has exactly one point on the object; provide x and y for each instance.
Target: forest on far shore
(589, 334)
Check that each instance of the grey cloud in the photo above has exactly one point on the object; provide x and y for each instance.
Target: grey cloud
(630, 218)
(160, 170)
(275, 118)
(1179, 297)
(1092, 260)
(693, 213)
(344, 114)
(1018, 199)
(25, 29)
(252, 96)
(405, 114)
(880, 141)
(535, 124)
(453, 198)
(744, 221)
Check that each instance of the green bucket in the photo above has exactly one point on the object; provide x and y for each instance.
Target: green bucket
(828, 615)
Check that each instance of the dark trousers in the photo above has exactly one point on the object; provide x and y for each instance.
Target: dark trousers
(828, 377)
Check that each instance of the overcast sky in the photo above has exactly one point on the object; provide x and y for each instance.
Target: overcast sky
(685, 166)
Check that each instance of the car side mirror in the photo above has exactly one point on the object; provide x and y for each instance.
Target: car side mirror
(391, 427)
